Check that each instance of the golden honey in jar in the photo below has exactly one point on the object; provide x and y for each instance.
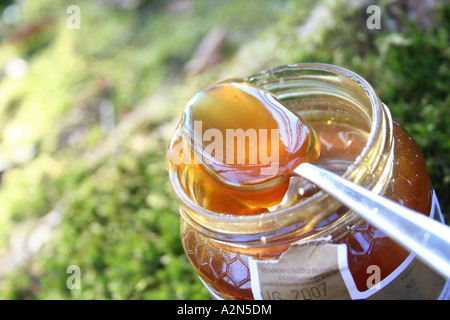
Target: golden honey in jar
(237, 234)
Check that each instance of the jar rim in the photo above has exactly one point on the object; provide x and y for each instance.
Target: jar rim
(228, 226)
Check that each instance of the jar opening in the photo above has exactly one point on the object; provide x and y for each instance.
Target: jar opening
(311, 86)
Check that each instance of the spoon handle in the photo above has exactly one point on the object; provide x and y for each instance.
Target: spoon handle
(427, 238)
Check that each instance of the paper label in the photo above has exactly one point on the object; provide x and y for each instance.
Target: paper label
(318, 270)
(317, 276)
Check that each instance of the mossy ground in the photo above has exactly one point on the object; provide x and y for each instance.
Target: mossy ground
(85, 116)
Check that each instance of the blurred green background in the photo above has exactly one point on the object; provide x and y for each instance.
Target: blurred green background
(86, 114)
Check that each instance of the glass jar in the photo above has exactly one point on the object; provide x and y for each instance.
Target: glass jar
(318, 248)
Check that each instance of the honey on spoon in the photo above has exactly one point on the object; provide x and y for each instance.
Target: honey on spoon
(241, 143)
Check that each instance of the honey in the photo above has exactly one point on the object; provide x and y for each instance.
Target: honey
(253, 143)
(238, 243)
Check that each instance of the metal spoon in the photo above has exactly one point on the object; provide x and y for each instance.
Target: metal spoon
(427, 238)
